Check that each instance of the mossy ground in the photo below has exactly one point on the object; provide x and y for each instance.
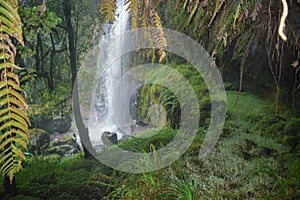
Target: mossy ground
(256, 157)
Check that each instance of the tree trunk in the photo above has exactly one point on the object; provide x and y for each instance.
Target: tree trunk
(10, 189)
(37, 54)
(51, 71)
(83, 130)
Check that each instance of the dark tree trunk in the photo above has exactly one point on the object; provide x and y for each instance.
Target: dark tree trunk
(41, 53)
(37, 54)
(83, 130)
(10, 189)
(51, 71)
(71, 37)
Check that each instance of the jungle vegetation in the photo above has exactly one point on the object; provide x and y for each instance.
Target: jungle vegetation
(43, 44)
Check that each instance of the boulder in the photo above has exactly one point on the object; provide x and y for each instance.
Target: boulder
(109, 138)
(62, 150)
(38, 140)
(60, 125)
(63, 146)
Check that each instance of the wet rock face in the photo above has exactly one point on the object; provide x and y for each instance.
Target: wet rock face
(257, 75)
(257, 69)
(60, 125)
(109, 138)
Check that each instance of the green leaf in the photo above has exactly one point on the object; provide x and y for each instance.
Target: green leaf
(4, 56)
(14, 85)
(19, 141)
(7, 165)
(20, 113)
(15, 124)
(5, 154)
(4, 143)
(13, 93)
(18, 152)
(4, 135)
(12, 15)
(14, 101)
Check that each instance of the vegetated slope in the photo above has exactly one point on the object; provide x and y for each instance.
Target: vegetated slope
(257, 156)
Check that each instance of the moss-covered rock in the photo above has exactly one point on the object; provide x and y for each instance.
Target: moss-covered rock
(39, 140)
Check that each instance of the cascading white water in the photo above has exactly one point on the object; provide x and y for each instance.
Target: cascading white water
(109, 71)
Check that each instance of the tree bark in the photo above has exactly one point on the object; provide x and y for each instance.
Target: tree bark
(83, 130)
(37, 54)
(51, 71)
(10, 189)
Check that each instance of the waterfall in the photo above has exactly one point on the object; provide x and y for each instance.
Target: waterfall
(107, 113)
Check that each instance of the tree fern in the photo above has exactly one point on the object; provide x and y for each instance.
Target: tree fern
(13, 119)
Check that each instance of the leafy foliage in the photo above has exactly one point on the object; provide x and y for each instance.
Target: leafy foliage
(182, 189)
(133, 9)
(143, 14)
(108, 9)
(13, 119)
(158, 94)
(54, 177)
(244, 164)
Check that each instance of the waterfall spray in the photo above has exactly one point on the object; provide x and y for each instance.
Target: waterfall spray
(109, 70)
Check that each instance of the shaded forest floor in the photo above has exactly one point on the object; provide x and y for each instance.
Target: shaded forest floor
(256, 157)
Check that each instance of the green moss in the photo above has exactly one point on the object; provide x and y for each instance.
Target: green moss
(292, 127)
(248, 107)
(53, 177)
(155, 137)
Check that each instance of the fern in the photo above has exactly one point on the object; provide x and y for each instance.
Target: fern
(108, 8)
(13, 118)
(159, 37)
(194, 11)
(133, 9)
(142, 14)
(218, 7)
(236, 14)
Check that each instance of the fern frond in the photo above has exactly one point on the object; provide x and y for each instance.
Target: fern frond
(133, 10)
(108, 8)
(13, 118)
(194, 11)
(218, 7)
(159, 37)
(179, 17)
(236, 14)
(10, 20)
(242, 42)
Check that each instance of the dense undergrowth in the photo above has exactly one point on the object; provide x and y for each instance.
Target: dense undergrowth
(256, 157)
